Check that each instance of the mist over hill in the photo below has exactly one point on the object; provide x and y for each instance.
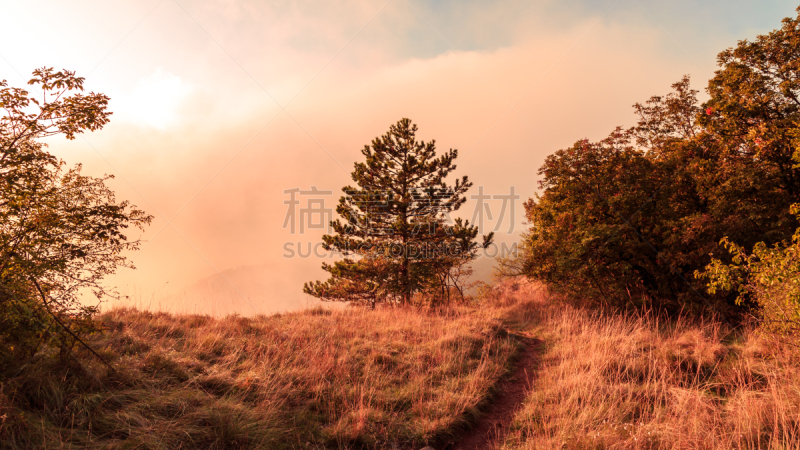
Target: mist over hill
(245, 290)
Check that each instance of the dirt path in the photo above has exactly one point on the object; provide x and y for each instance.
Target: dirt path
(492, 425)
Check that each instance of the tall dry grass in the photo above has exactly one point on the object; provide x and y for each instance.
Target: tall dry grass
(401, 378)
(632, 381)
(317, 379)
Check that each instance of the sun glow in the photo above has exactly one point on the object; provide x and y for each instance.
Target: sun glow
(155, 101)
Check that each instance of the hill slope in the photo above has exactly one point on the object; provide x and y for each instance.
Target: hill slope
(398, 378)
(632, 381)
(315, 379)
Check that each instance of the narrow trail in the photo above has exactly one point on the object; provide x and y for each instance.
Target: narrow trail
(492, 426)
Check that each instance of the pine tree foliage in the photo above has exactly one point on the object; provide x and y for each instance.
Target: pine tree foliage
(397, 236)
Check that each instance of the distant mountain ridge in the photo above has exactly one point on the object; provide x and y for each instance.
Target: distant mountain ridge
(246, 290)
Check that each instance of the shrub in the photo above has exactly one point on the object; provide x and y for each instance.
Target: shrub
(624, 221)
(768, 277)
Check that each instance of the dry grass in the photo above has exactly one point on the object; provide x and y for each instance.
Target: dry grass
(402, 378)
(316, 379)
(634, 382)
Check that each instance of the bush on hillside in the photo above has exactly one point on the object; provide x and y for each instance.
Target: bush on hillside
(627, 220)
(768, 277)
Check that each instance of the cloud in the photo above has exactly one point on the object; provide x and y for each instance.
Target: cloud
(225, 178)
(155, 101)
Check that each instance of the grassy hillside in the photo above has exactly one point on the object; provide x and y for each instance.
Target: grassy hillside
(631, 381)
(316, 379)
(401, 378)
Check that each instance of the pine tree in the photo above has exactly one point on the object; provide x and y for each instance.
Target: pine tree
(397, 238)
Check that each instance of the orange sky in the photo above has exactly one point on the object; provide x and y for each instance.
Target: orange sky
(220, 106)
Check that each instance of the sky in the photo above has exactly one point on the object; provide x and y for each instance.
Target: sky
(222, 108)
